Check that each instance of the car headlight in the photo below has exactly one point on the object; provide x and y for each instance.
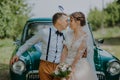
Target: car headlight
(18, 67)
(114, 68)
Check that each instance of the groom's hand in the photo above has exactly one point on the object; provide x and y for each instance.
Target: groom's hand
(14, 59)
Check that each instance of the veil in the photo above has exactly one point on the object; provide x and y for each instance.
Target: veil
(90, 46)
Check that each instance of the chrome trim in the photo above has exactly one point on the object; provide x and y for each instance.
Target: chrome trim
(30, 72)
(111, 61)
(24, 65)
(101, 75)
(98, 72)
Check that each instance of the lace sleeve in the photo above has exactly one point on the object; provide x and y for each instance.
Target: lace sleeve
(83, 46)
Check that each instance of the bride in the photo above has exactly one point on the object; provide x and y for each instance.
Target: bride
(75, 45)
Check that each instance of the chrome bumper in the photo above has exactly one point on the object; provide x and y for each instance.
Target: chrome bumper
(101, 76)
(32, 75)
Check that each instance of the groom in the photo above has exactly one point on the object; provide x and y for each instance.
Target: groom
(52, 46)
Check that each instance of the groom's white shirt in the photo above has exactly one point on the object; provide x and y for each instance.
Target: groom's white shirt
(56, 44)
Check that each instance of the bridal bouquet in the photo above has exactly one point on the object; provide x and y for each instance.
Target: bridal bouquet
(63, 70)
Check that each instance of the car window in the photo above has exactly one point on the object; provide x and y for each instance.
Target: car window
(35, 27)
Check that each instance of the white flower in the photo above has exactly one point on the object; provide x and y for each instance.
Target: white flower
(70, 69)
(63, 68)
(56, 72)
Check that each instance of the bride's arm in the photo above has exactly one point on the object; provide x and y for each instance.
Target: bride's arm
(80, 53)
(64, 54)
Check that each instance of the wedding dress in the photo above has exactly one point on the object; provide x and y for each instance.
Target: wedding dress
(83, 69)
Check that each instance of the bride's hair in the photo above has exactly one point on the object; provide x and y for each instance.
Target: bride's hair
(79, 16)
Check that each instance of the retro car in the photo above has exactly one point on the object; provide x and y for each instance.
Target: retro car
(26, 68)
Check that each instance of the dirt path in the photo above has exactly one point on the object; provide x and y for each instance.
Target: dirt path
(4, 72)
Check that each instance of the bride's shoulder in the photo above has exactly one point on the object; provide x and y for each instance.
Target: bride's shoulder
(85, 35)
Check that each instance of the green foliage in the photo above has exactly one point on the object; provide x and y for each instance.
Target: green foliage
(108, 17)
(111, 32)
(13, 14)
(95, 17)
(113, 14)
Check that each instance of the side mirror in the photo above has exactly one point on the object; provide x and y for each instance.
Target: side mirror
(101, 41)
(17, 42)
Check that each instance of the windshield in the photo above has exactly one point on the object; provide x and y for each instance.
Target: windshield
(34, 28)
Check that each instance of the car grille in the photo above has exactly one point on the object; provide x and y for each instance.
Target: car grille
(101, 76)
(32, 75)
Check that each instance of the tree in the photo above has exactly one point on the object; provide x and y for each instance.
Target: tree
(95, 17)
(111, 16)
(118, 1)
(13, 14)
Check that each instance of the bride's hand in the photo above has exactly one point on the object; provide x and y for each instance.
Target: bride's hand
(72, 71)
(69, 76)
(57, 67)
(73, 68)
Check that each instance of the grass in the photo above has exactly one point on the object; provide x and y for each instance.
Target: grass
(111, 38)
(107, 33)
(115, 50)
(6, 48)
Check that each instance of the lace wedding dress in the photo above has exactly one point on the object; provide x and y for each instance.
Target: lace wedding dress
(83, 70)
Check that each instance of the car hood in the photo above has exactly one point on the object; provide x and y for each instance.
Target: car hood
(31, 58)
(106, 56)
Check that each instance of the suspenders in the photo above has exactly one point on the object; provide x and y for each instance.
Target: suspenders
(48, 44)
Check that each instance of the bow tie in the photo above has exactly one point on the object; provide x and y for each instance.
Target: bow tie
(59, 33)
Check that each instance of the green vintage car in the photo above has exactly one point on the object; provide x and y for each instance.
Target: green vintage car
(107, 66)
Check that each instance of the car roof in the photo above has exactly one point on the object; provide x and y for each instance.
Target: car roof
(40, 20)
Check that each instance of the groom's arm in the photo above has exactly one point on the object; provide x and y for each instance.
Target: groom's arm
(36, 38)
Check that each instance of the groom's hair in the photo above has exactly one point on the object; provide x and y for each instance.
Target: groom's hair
(57, 15)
